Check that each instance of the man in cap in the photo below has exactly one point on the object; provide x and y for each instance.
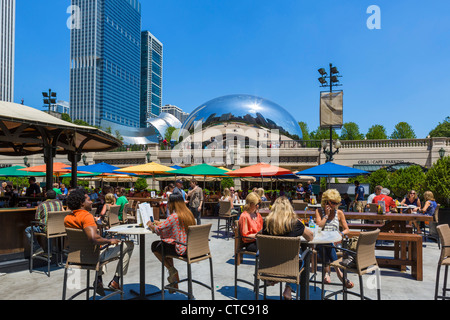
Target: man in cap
(179, 188)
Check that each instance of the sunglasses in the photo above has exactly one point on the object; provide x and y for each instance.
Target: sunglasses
(334, 203)
(412, 193)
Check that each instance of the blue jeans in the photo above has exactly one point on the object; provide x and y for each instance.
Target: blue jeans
(36, 229)
(330, 253)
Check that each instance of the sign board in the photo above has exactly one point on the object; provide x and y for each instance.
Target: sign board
(331, 109)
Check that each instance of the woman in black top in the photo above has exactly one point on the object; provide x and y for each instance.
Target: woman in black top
(283, 222)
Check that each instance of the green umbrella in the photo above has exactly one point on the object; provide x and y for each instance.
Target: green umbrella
(15, 172)
(200, 170)
(82, 175)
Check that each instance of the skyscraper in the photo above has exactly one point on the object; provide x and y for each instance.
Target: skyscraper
(151, 77)
(105, 61)
(7, 45)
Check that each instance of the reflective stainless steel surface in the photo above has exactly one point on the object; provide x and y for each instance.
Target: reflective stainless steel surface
(247, 109)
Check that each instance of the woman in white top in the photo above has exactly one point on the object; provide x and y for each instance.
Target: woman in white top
(329, 218)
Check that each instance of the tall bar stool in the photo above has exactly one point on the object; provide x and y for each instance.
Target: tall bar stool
(197, 249)
(444, 260)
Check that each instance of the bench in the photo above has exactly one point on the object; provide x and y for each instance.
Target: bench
(365, 226)
(407, 251)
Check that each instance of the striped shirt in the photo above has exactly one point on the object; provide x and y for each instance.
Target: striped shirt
(170, 231)
(44, 208)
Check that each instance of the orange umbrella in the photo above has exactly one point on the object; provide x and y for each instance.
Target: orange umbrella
(259, 170)
(58, 169)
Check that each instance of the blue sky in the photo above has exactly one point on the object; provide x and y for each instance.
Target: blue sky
(270, 49)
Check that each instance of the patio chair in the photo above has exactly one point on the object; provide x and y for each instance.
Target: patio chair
(444, 260)
(113, 216)
(279, 261)
(225, 213)
(432, 232)
(239, 251)
(131, 213)
(124, 219)
(365, 262)
(84, 255)
(373, 207)
(55, 230)
(197, 250)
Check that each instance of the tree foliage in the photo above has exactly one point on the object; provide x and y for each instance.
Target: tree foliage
(376, 132)
(402, 181)
(437, 180)
(403, 130)
(141, 184)
(350, 131)
(227, 183)
(323, 134)
(442, 129)
(305, 131)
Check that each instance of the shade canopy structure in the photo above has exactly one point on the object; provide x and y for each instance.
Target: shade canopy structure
(15, 171)
(259, 170)
(28, 131)
(204, 170)
(331, 169)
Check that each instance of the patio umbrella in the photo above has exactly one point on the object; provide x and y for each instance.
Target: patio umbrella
(99, 168)
(259, 170)
(16, 172)
(330, 169)
(204, 170)
(150, 168)
(59, 169)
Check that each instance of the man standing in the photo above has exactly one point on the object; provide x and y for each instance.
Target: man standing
(195, 196)
(359, 197)
(50, 205)
(79, 202)
(33, 190)
(179, 188)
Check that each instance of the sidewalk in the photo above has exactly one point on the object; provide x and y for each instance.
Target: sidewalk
(394, 284)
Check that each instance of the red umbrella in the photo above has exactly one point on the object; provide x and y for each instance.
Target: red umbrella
(259, 170)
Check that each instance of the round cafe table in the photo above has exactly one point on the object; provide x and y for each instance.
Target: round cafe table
(322, 237)
(135, 229)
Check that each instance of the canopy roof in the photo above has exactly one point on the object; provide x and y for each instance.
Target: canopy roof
(200, 170)
(15, 171)
(26, 131)
(148, 168)
(331, 169)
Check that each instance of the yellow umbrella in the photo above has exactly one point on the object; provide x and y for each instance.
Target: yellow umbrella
(150, 168)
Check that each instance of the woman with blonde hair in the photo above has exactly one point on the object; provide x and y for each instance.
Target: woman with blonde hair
(173, 234)
(110, 200)
(250, 221)
(411, 199)
(261, 194)
(226, 195)
(430, 204)
(329, 218)
(283, 222)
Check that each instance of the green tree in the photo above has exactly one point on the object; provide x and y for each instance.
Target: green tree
(227, 183)
(376, 132)
(437, 180)
(305, 131)
(66, 117)
(350, 131)
(118, 135)
(442, 129)
(403, 130)
(141, 184)
(168, 133)
(323, 134)
(402, 181)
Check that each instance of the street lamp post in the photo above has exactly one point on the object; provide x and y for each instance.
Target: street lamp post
(329, 81)
(49, 98)
(441, 153)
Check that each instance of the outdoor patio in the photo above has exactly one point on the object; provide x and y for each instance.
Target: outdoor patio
(395, 285)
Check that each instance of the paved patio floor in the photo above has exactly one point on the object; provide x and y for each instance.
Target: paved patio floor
(395, 285)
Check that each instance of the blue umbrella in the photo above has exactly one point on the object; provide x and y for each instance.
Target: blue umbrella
(101, 168)
(331, 169)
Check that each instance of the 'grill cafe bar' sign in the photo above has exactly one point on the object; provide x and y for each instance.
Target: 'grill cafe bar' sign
(380, 162)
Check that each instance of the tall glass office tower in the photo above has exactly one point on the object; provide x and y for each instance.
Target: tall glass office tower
(105, 62)
(151, 77)
(7, 45)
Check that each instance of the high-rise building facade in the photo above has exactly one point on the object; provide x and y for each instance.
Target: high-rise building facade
(151, 77)
(7, 48)
(105, 62)
(176, 112)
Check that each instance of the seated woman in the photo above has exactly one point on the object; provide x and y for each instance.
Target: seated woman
(227, 197)
(250, 222)
(260, 192)
(430, 204)
(411, 199)
(174, 228)
(283, 222)
(329, 218)
(110, 200)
